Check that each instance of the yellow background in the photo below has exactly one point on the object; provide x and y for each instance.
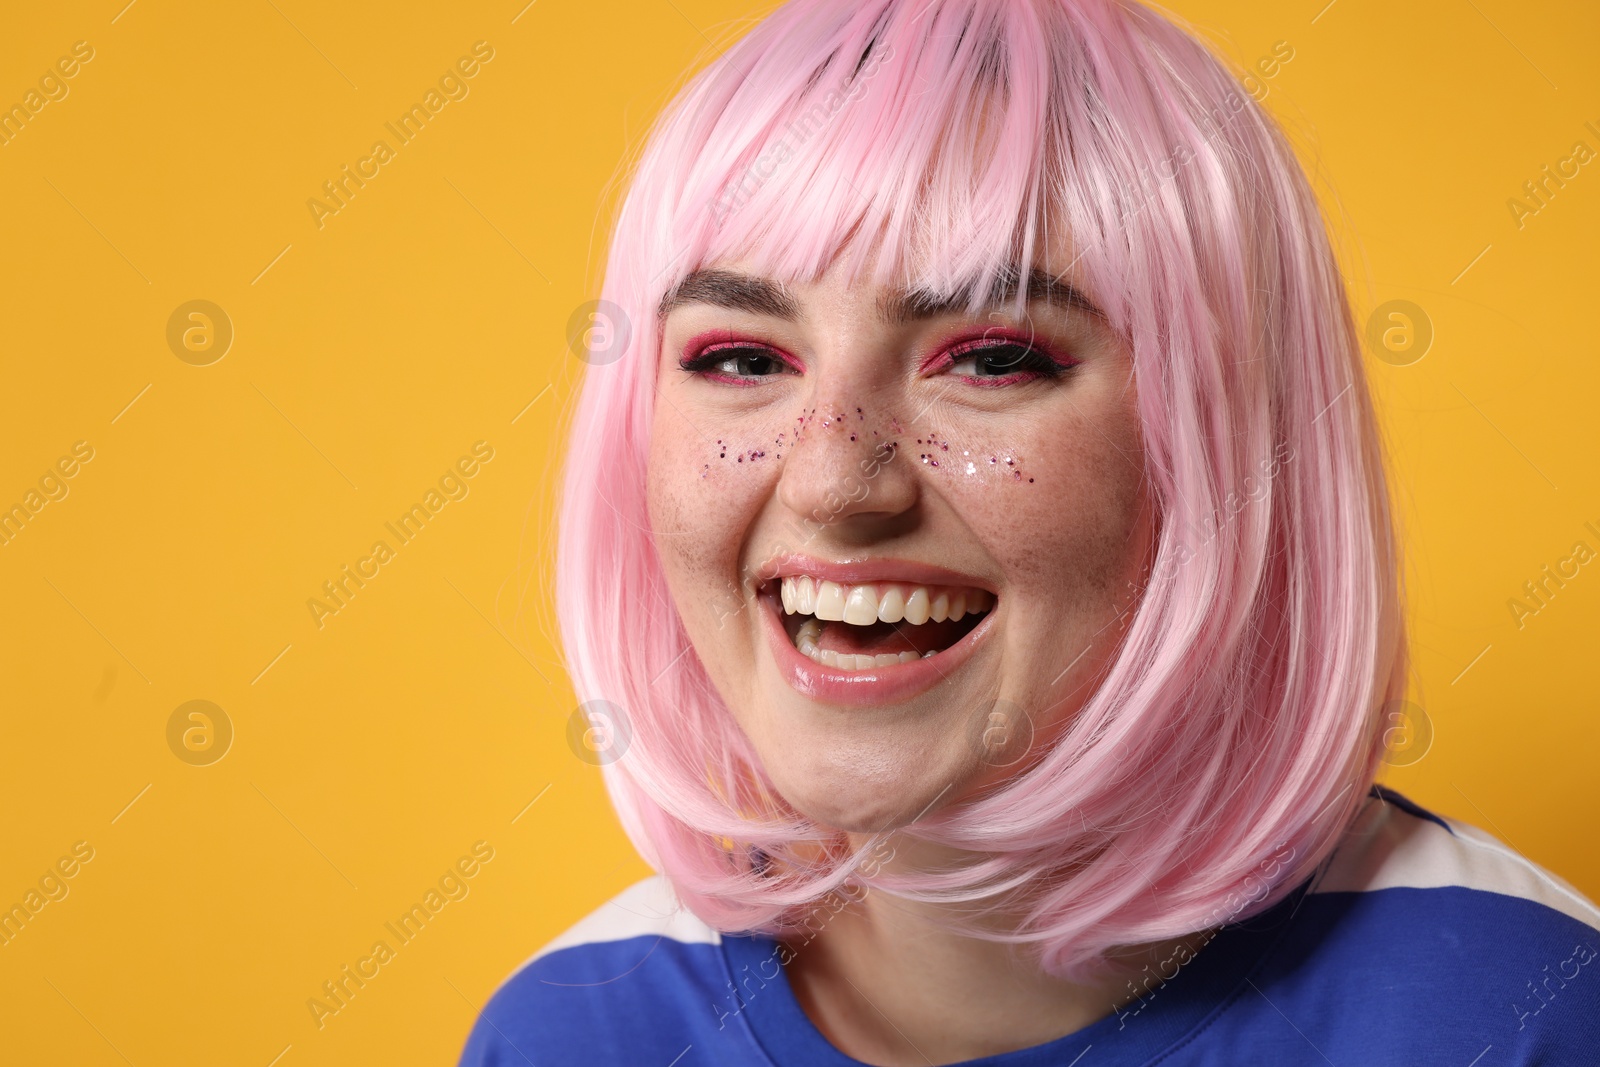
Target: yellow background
(431, 313)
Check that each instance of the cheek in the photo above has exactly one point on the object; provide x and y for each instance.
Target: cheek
(685, 491)
(1057, 503)
(1090, 514)
(704, 493)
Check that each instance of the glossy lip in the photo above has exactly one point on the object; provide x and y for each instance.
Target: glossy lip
(880, 685)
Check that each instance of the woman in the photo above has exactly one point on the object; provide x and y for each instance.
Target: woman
(978, 569)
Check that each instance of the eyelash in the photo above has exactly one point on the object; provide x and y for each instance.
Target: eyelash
(1035, 363)
(726, 351)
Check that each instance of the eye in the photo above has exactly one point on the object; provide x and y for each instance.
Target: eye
(996, 361)
(736, 362)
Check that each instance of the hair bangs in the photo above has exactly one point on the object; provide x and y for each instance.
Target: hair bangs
(927, 150)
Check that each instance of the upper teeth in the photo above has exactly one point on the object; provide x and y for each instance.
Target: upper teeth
(863, 605)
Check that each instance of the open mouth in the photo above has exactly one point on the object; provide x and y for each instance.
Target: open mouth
(877, 624)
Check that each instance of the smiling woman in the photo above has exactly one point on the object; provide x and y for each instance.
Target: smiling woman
(954, 566)
(1068, 714)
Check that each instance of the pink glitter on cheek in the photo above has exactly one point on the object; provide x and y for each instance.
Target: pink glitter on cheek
(933, 441)
(1002, 463)
(748, 455)
(1011, 465)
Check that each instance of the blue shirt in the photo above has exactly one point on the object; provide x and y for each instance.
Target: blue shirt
(1423, 941)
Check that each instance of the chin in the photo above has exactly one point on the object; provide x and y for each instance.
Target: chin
(865, 788)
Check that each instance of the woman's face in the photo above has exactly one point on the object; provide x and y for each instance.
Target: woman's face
(833, 467)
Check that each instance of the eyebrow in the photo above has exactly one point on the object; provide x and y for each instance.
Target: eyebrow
(762, 296)
(734, 291)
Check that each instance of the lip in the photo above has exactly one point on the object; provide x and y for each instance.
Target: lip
(868, 570)
(878, 685)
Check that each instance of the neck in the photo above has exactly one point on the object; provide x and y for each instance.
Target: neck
(887, 984)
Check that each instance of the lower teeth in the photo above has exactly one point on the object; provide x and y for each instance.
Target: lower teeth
(806, 642)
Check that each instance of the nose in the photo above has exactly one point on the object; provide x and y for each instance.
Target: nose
(846, 470)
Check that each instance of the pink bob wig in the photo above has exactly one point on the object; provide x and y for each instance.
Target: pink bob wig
(1241, 721)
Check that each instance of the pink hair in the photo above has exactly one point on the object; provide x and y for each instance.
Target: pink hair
(1239, 725)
